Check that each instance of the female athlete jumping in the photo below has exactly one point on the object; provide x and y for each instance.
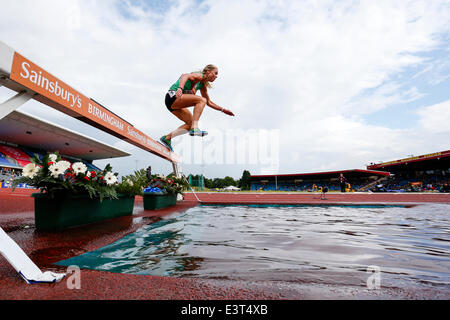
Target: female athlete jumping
(182, 94)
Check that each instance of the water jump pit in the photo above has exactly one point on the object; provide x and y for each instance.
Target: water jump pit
(322, 244)
(261, 251)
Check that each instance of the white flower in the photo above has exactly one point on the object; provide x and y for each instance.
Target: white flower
(110, 178)
(64, 165)
(79, 167)
(88, 174)
(30, 170)
(56, 169)
(52, 157)
(130, 182)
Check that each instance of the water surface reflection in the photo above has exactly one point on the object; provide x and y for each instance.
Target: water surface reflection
(333, 245)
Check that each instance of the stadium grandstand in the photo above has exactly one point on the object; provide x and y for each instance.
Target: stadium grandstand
(22, 136)
(429, 172)
(356, 179)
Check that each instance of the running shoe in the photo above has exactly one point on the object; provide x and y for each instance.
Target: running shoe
(197, 132)
(166, 142)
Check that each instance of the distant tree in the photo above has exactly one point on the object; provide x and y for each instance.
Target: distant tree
(209, 183)
(218, 183)
(244, 182)
(229, 181)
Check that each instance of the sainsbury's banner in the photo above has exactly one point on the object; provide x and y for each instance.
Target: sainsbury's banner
(37, 79)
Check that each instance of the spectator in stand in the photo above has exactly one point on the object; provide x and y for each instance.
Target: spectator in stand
(446, 187)
(342, 182)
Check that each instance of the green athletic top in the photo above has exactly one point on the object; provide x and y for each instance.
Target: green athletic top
(187, 85)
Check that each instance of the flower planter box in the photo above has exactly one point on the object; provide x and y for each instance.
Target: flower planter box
(153, 201)
(70, 211)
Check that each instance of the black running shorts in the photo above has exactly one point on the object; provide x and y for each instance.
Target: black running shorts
(170, 99)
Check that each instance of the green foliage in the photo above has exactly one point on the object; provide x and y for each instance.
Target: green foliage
(229, 181)
(209, 183)
(245, 183)
(219, 183)
(181, 181)
(170, 184)
(133, 184)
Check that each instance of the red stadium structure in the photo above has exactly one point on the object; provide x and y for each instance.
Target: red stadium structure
(418, 173)
(432, 161)
(357, 179)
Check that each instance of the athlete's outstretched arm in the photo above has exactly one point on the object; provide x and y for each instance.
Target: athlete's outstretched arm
(211, 104)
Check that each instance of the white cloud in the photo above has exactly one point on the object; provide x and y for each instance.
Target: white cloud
(436, 119)
(388, 94)
(310, 69)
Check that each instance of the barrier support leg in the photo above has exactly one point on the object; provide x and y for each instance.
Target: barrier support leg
(177, 172)
(176, 169)
(23, 264)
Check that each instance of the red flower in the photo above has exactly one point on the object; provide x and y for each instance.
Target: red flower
(86, 178)
(93, 174)
(51, 163)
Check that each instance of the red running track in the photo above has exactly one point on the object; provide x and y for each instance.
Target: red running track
(315, 198)
(46, 248)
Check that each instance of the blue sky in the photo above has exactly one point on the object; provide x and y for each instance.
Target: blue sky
(431, 79)
(126, 7)
(341, 84)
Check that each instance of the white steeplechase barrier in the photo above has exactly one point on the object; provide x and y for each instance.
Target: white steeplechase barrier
(23, 264)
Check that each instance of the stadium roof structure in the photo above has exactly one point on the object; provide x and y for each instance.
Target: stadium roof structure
(26, 130)
(354, 173)
(437, 160)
